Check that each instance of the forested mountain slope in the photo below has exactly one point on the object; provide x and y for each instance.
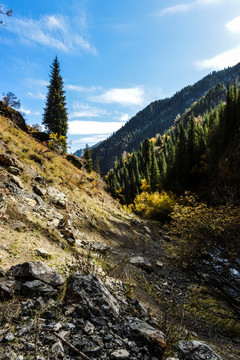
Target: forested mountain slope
(158, 117)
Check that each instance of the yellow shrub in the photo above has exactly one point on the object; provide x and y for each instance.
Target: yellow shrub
(155, 206)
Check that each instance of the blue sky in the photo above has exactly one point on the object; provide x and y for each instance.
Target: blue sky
(116, 56)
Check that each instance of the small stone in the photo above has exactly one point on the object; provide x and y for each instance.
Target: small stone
(9, 337)
(22, 331)
(89, 328)
(121, 354)
(39, 190)
(43, 253)
(16, 180)
(14, 170)
(142, 263)
(57, 348)
(159, 264)
(30, 346)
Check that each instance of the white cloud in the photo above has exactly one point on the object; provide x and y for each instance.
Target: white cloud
(33, 83)
(55, 22)
(78, 127)
(80, 88)
(38, 95)
(84, 110)
(223, 60)
(53, 31)
(176, 9)
(90, 139)
(184, 8)
(234, 25)
(129, 96)
(25, 111)
(124, 117)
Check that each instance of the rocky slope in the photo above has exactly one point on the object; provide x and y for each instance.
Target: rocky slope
(126, 300)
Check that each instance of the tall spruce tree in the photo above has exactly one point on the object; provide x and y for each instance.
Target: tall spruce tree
(55, 112)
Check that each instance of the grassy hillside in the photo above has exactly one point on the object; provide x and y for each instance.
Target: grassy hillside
(94, 214)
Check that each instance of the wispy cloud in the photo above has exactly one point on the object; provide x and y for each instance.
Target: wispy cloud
(182, 8)
(80, 88)
(234, 25)
(186, 7)
(90, 139)
(78, 127)
(33, 83)
(82, 110)
(54, 31)
(222, 60)
(128, 96)
(25, 111)
(37, 95)
(124, 117)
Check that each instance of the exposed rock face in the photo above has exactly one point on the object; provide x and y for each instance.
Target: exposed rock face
(76, 161)
(36, 287)
(91, 291)
(142, 331)
(39, 190)
(8, 287)
(3, 204)
(36, 271)
(196, 350)
(57, 197)
(89, 321)
(14, 115)
(16, 180)
(144, 264)
(7, 160)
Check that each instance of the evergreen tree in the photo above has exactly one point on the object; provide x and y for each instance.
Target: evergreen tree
(88, 157)
(55, 112)
(97, 165)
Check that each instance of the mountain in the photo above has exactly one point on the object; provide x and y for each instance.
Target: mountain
(79, 153)
(158, 117)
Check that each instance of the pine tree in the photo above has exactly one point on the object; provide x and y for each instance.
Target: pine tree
(55, 112)
(88, 157)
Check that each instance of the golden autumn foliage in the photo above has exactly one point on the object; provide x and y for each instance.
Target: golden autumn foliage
(201, 229)
(156, 206)
(57, 142)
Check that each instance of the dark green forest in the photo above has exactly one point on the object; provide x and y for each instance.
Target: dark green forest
(160, 115)
(189, 156)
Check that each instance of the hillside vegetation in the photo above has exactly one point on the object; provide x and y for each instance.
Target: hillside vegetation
(53, 210)
(159, 116)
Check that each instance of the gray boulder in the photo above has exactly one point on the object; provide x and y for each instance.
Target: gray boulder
(91, 291)
(121, 354)
(57, 197)
(14, 170)
(36, 271)
(39, 190)
(8, 287)
(142, 263)
(144, 333)
(196, 350)
(16, 180)
(36, 288)
(99, 247)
